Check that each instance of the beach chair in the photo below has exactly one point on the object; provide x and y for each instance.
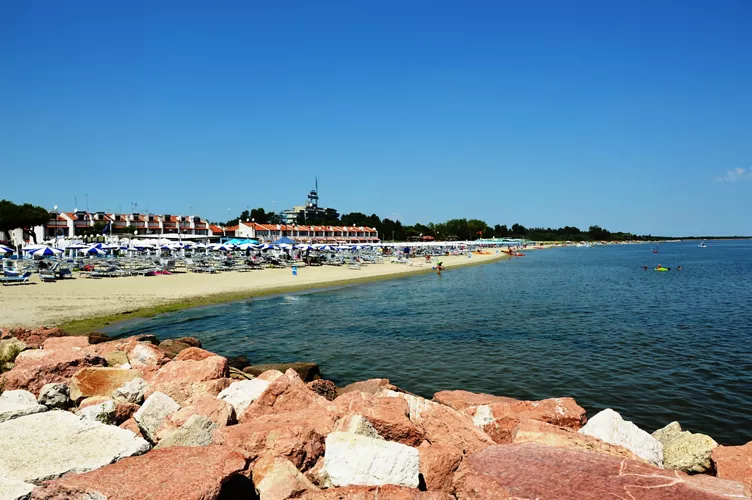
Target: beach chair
(47, 275)
(16, 280)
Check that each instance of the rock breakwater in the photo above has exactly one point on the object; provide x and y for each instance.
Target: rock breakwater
(89, 417)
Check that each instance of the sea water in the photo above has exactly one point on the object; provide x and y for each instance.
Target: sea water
(583, 322)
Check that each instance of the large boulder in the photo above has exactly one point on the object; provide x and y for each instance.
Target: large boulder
(278, 479)
(734, 462)
(54, 443)
(33, 338)
(55, 396)
(11, 489)
(285, 394)
(297, 436)
(683, 450)
(99, 381)
(389, 416)
(9, 349)
(132, 391)
(53, 343)
(353, 459)
(181, 379)
(371, 386)
(306, 370)
(488, 409)
(530, 470)
(154, 411)
(196, 431)
(172, 347)
(144, 355)
(242, 393)
(187, 473)
(219, 412)
(608, 426)
(535, 431)
(18, 403)
(416, 404)
(438, 464)
(36, 367)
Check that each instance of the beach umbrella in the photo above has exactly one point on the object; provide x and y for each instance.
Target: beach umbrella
(4, 249)
(46, 251)
(246, 246)
(326, 248)
(267, 246)
(93, 250)
(222, 247)
(304, 247)
(285, 246)
(344, 247)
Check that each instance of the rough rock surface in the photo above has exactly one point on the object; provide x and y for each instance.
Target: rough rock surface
(286, 394)
(181, 379)
(683, 450)
(437, 466)
(11, 489)
(388, 492)
(33, 338)
(143, 355)
(324, 388)
(534, 431)
(55, 396)
(389, 416)
(196, 431)
(154, 411)
(172, 347)
(50, 444)
(9, 349)
(371, 386)
(37, 367)
(352, 459)
(531, 470)
(608, 426)
(356, 424)
(131, 392)
(734, 462)
(416, 404)
(18, 403)
(241, 394)
(184, 473)
(445, 426)
(65, 342)
(193, 354)
(103, 412)
(307, 371)
(99, 381)
(278, 479)
(219, 412)
(562, 412)
(296, 436)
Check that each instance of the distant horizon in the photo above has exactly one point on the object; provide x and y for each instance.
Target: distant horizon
(631, 116)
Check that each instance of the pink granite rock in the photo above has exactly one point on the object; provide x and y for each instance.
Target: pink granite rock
(388, 416)
(285, 394)
(181, 379)
(36, 367)
(531, 470)
(734, 462)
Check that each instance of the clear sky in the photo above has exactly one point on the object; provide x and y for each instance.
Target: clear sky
(634, 115)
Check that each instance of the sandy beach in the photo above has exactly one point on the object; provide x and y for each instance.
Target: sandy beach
(54, 304)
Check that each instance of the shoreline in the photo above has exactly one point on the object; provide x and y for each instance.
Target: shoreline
(83, 305)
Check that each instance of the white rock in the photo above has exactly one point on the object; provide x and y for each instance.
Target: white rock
(103, 412)
(242, 393)
(416, 404)
(483, 416)
(155, 409)
(352, 459)
(608, 426)
(131, 392)
(11, 489)
(48, 445)
(18, 403)
(55, 396)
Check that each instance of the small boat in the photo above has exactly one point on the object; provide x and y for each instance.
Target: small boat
(702, 245)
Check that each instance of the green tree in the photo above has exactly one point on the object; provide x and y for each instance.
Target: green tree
(26, 216)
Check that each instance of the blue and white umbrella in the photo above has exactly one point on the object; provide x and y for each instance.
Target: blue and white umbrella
(304, 247)
(267, 246)
(326, 248)
(95, 251)
(222, 247)
(46, 252)
(4, 249)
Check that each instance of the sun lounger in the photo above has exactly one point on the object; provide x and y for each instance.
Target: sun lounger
(16, 280)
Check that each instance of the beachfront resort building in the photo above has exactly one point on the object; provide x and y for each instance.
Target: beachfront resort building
(72, 224)
(305, 234)
(311, 212)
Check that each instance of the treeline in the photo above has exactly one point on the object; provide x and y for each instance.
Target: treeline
(26, 216)
(454, 229)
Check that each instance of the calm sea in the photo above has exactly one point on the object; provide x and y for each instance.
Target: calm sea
(583, 322)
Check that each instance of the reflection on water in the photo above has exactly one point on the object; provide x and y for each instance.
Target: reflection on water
(587, 323)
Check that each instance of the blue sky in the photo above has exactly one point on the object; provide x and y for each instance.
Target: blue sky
(633, 115)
